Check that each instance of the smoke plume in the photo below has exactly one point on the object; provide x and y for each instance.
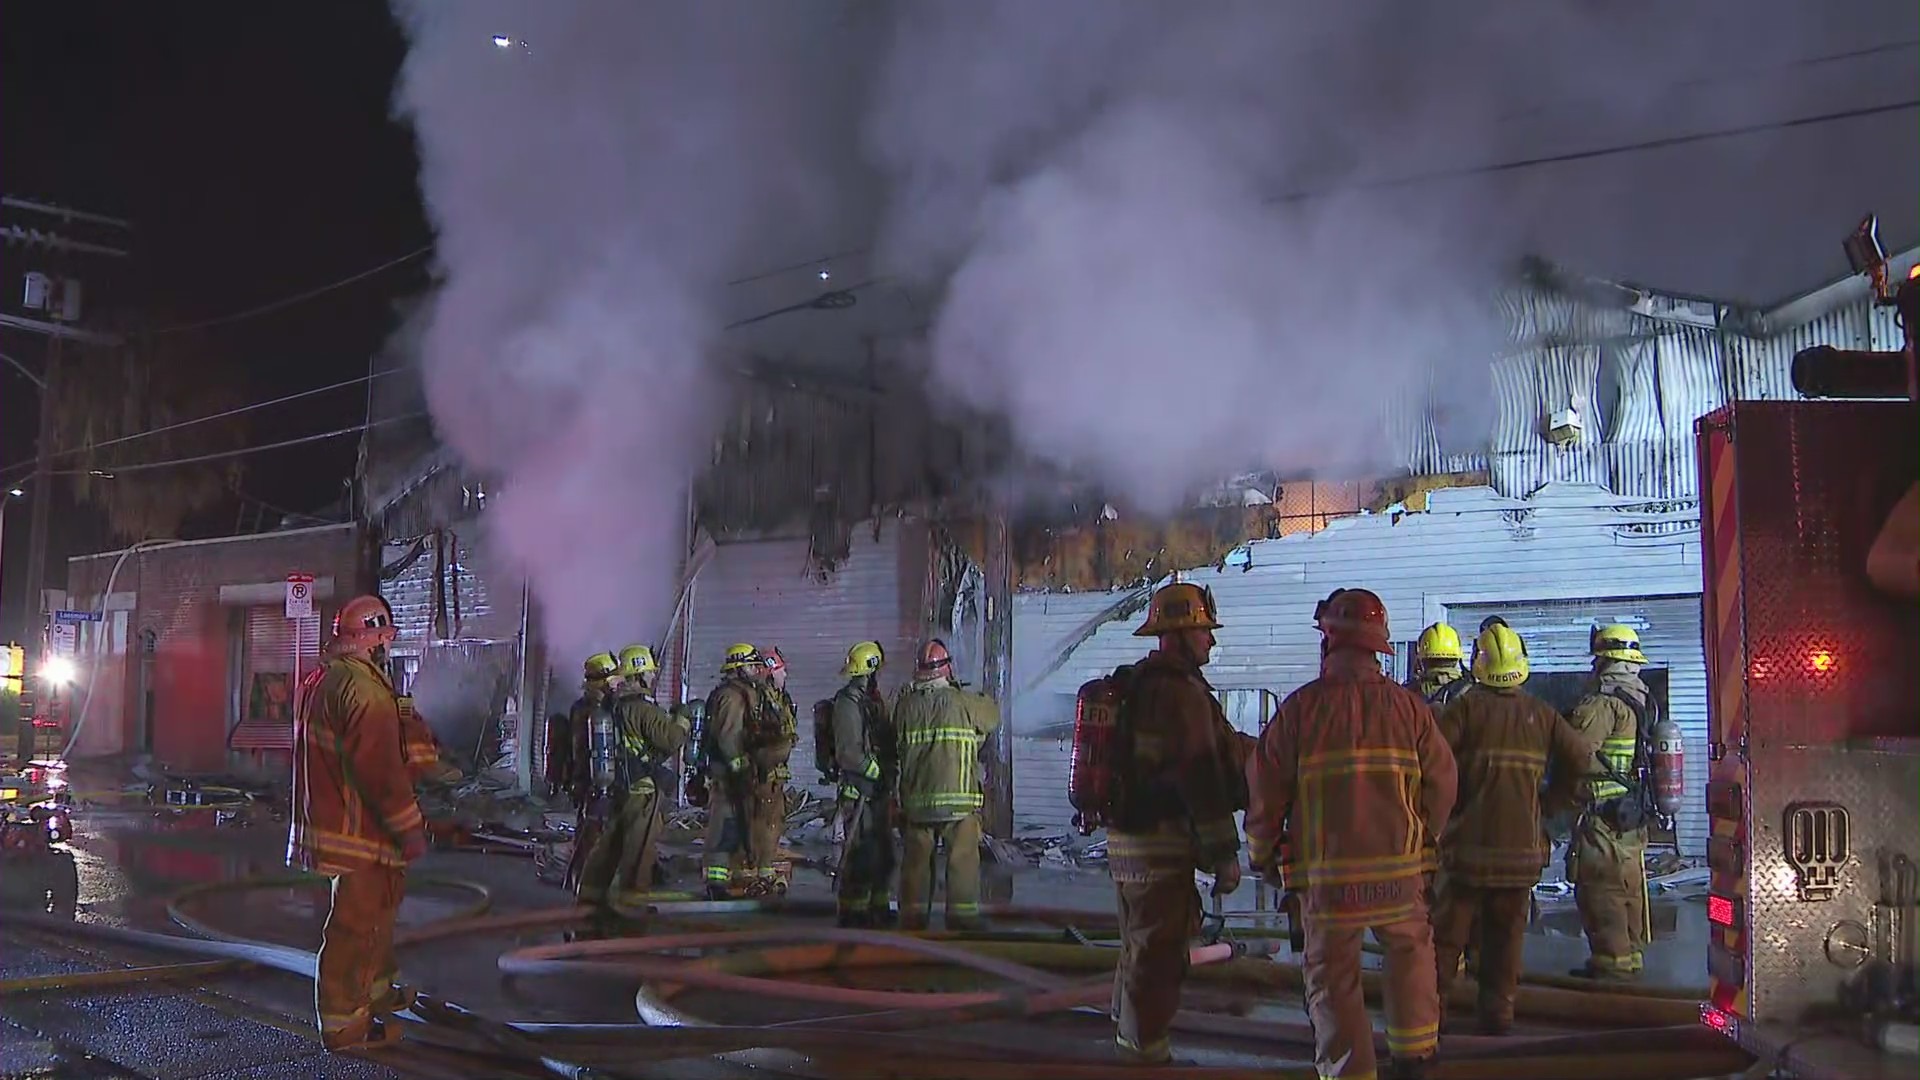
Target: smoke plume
(1167, 248)
(1167, 241)
(594, 173)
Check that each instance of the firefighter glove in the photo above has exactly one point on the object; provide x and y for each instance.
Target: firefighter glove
(1226, 877)
(413, 845)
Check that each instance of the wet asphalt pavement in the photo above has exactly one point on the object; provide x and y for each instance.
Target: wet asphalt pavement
(127, 858)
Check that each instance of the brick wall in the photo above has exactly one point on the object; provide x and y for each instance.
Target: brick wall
(176, 590)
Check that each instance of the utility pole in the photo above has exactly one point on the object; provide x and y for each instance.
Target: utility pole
(39, 491)
(996, 670)
(48, 303)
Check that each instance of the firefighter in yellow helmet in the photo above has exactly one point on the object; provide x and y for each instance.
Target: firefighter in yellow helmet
(355, 819)
(939, 729)
(1186, 765)
(743, 720)
(563, 736)
(1607, 860)
(1354, 771)
(1437, 659)
(638, 763)
(863, 760)
(1493, 848)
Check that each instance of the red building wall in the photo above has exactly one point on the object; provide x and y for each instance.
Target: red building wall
(177, 597)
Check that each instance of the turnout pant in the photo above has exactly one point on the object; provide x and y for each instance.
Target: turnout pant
(1337, 1007)
(726, 833)
(864, 887)
(1157, 919)
(622, 858)
(1494, 921)
(961, 841)
(766, 824)
(356, 969)
(1608, 871)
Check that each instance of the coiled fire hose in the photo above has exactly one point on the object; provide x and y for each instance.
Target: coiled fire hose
(1669, 1053)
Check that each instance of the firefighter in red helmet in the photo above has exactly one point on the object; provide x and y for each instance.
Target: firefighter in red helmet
(355, 820)
(1354, 770)
(939, 729)
(1184, 782)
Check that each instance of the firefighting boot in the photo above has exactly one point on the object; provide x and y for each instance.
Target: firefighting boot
(1409, 1068)
(853, 920)
(397, 997)
(376, 1034)
(1597, 974)
(718, 891)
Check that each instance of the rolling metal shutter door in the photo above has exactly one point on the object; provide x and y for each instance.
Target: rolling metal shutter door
(759, 592)
(269, 649)
(1669, 628)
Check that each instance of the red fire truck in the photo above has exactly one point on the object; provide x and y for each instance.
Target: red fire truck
(1814, 683)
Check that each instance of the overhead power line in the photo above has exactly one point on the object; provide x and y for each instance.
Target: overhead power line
(25, 370)
(296, 298)
(197, 459)
(238, 410)
(1496, 168)
(1663, 143)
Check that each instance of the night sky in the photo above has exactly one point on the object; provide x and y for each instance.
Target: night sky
(250, 145)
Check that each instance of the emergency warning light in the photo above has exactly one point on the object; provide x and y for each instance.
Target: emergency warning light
(1723, 911)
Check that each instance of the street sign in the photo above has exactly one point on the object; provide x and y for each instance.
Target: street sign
(300, 596)
(63, 639)
(76, 616)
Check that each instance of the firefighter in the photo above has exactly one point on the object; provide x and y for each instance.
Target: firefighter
(1607, 859)
(770, 744)
(1354, 773)
(561, 732)
(939, 729)
(648, 738)
(1437, 676)
(355, 819)
(1185, 783)
(741, 712)
(1493, 849)
(575, 772)
(863, 751)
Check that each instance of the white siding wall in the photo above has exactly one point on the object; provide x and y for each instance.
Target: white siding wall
(760, 592)
(1473, 546)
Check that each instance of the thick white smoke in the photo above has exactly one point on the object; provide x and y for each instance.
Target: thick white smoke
(595, 172)
(1099, 195)
(1106, 188)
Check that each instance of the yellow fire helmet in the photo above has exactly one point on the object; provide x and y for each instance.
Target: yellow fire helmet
(1439, 642)
(1500, 658)
(600, 665)
(740, 656)
(864, 658)
(636, 661)
(1179, 606)
(1616, 643)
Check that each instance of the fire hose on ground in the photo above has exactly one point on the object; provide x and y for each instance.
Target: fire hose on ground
(1039, 992)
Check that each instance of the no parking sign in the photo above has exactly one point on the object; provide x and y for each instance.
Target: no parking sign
(300, 596)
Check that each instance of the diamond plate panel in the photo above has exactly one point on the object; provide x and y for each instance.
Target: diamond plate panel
(1788, 969)
(1828, 657)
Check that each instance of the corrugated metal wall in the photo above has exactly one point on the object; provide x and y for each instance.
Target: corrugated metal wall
(1669, 628)
(1639, 382)
(760, 592)
(1474, 546)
